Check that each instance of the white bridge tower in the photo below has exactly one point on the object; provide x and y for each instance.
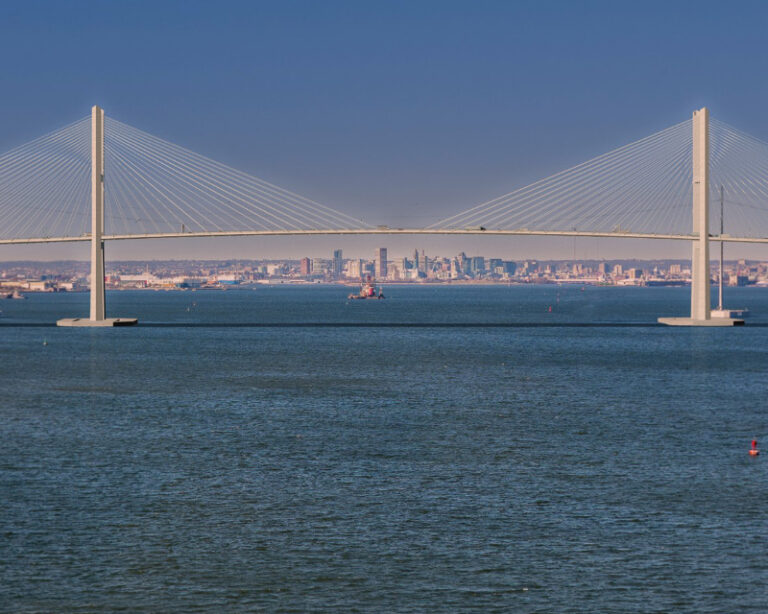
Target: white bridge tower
(700, 280)
(98, 302)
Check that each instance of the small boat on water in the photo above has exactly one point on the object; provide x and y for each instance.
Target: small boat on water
(368, 290)
(13, 295)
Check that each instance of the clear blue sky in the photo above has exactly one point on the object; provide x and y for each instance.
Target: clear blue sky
(399, 112)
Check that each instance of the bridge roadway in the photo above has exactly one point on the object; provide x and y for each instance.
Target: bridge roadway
(389, 231)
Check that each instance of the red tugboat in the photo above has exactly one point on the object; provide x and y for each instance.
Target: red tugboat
(367, 290)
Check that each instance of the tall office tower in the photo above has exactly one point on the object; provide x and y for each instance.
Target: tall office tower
(477, 265)
(509, 267)
(337, 262)
(381, 263)
(306, 267)
(464, 263)
(416, 260)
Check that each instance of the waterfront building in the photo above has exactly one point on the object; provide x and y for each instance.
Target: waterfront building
(337, 263)
(319, 266)
(305, 268)
(138, 281)
(456, 269)
(393, 271)
(465, 264)
(354, 269)
(381, 263)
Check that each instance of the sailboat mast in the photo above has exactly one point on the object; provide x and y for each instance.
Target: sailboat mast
(720, 286)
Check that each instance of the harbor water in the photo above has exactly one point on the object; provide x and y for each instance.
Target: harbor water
(447, 449)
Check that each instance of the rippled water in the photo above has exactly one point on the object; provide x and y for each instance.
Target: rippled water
(383, 469)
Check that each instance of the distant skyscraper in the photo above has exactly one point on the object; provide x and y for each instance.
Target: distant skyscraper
(306, 267)
(319, 266)
(354, 269)
(456, 271)
(494, 263)
(416, 260)
(381, 263)
(464, 263)
(337, 263)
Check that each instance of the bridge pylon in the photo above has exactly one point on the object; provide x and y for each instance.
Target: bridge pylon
(98, 295)
(700, 279)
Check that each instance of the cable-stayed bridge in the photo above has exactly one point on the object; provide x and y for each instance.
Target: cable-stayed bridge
(98, 179)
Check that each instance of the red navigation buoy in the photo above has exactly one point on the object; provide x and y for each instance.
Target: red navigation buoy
(754, 451)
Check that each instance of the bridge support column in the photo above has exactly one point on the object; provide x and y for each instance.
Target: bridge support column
(700, 282)
(700, 285)
(97, 214)
(98, 295)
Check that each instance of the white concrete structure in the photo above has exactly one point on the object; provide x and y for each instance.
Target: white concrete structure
(98, 302)
(97, 214)
(700, 284)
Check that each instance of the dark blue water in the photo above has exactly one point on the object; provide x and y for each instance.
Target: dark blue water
(424, 469)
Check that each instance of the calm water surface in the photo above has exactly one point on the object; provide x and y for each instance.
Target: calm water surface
(204, 468)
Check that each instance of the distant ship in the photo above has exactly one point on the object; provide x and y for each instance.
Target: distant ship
(367, 290)
(15, 294)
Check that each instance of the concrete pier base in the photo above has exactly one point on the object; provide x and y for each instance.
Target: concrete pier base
(738, 314)
(106, 322)
(693, 322)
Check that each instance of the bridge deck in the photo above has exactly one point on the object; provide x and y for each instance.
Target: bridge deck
(388, 231)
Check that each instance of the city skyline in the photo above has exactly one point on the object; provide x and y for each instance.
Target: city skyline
(420, 267)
